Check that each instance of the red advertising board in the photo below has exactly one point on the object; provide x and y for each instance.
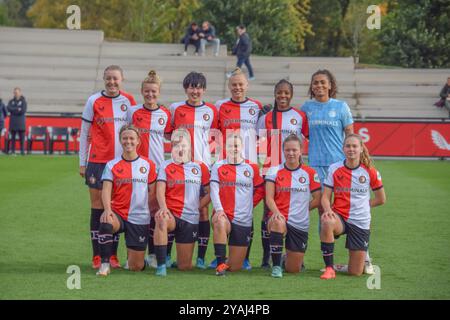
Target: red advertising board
(383, 138)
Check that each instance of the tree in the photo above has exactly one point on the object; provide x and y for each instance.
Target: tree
(276, 27)
(13, 12)
(417, 34)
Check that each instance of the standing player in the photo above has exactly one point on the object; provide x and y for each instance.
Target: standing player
(350, 181)
(236, 188)
(289, 187)
(178, 193)
(198, 117)
(276, 125)
(103, 116)
(128, 188)
(154, 124)
(330, 120)
(239, 114)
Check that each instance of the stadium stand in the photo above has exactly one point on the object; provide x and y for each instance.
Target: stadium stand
(58, 69)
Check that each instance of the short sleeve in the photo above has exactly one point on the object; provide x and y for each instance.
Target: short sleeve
(305, 126)
(215, 122)
(346, 115)
(169, 126)
(215, 173)
(152, 172)
(314, 181)
(375, 179)
(257, 179)
(130, 113)
(205, 174)
(88, 112)
(261, 125)
(329, 180)
(272, 174)
(162, 176)
(107, 173)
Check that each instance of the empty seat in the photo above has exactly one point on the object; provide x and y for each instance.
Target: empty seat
(59, 134)
(37, 134)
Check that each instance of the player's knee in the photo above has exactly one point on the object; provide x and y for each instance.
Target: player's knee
(160, 223)
(355, 273)
(326, 223)
(136, 266)
(277, 225)
(219, 224)
(184, 266)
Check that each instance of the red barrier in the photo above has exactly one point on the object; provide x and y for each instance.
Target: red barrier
(383, 138)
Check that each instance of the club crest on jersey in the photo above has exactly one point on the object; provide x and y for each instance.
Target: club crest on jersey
(302, 180)
(206, 117)
(143, 170)
(362, 179)
(247, 173)
(332, 114)
(92, 180)
(294, 121)
(161, 121)
(123, 107)
(252, 111)
(195, 171)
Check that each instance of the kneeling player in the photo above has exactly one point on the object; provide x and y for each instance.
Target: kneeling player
(178, 193)
(350, 181)
(128, 192)
(289, 188)
(236, 188)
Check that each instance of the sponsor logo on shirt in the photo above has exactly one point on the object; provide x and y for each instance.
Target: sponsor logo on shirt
(354, 190)
(141, 239)
(227, 110)
(119, 170)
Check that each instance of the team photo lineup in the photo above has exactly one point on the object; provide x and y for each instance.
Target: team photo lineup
(205, 187)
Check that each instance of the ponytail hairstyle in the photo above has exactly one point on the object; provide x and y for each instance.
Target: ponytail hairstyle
(294, 137)
(275, 107)
(331, 92)
(113, 67)
(152, 78)
(237, 72)
(365, 158)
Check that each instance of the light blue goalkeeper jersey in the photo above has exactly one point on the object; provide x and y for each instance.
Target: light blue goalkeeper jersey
(326, 130)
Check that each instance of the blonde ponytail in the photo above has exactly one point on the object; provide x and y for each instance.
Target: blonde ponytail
(152, 78)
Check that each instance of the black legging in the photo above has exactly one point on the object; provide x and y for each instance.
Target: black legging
(22, 141)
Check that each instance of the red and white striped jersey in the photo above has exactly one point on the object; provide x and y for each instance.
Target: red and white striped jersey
(287, 122)
(198, 120)
(183, 183)
(107, 115)
(240, 189)
(241, 117)
(152, 125)
(351, 188)
(130, 187)
(293, 189)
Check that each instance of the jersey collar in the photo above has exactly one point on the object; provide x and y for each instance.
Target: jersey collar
(190, 105)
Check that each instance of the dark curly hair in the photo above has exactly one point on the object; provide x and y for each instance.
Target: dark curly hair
(334, 89)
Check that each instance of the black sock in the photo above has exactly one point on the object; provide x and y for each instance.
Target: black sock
(170, 238)
(220, 251)
(161, 252)
(151, 246)
(105, 241)
(204, 230)
(276, 247)
(265, 242)
(95, 225)
(327, 253)
(115, 244)
(247, 256)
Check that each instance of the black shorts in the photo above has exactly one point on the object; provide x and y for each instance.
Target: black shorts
(185, 232)
(357, 238)
(93, 175)
(136, 235)
(239, 236)
(296, 240)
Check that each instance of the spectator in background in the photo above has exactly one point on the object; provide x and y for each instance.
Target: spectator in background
(242, 49)
(445, 96)
(208, 36)
(191, 37)
(17, 108)
(3, 115)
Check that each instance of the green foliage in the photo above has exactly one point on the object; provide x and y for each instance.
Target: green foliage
(417, 35)
(276, 27)
(13, 13)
